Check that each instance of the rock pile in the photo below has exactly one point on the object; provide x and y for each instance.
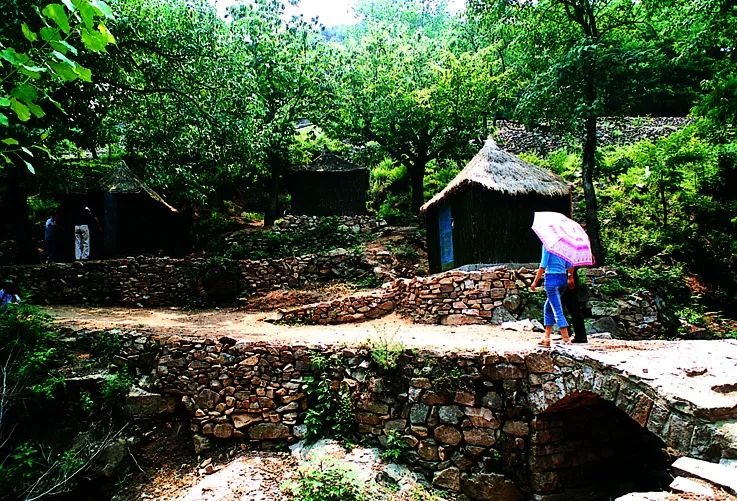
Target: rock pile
(355, 224)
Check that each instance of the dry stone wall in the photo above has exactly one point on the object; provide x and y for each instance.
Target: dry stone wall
(302, 223)
(514, 137)
(490, 425)
(491, 295)
(149, 281)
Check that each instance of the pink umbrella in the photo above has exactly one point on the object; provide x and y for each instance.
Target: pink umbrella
(563, 237)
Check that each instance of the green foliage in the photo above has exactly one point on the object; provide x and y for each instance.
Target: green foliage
(116, 386)
(386, 351)
(411, 83)
(33, 66)
(329, 412)
(105, 346)
(446, 375)
(395, 446)
(668, 213)
(29, 345)
(325, 482)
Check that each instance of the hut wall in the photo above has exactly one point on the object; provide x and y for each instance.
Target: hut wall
(502, 225)
(329, 193)
(145, 226)
(433, 238)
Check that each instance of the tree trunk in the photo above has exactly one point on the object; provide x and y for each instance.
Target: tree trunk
(417, 181)
(272, 209)
(589, 192)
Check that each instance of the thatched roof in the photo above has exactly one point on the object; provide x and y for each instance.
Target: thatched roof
(328, 162)
(122, 180)
(501, 171)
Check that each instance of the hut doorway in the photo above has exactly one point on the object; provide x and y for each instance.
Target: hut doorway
(445, 228)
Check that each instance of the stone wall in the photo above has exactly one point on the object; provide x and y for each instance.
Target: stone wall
(514, 137)
(148, 281)
(495, 423)
(356, 224)
(492, 295)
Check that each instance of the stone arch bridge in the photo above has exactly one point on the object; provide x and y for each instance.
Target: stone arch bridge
(575, 422)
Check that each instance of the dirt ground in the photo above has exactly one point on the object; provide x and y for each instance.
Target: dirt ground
(251, 326)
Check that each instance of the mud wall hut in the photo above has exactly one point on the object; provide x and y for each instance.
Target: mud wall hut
(485, 213)
(329, 186)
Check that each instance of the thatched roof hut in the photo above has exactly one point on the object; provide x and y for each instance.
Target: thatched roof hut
(328, 186)
(485, 213)
(122, 180)
(126, 217)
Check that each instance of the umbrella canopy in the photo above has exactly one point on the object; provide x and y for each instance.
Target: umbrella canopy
(563, 237)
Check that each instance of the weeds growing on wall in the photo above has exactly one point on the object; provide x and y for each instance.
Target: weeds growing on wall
(446, 375)
(330, 411)
(386, 351)
(395, 446)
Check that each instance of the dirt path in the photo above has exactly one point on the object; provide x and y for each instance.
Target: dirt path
(251, 326)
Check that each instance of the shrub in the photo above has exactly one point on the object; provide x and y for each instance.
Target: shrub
(395, 446)
(325, 482)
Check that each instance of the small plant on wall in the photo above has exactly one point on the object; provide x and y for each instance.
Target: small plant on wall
(330, 409)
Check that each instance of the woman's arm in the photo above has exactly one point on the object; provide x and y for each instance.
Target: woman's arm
(538, 276)
(571, 277)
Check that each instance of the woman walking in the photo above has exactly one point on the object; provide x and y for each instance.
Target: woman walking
(558, 276)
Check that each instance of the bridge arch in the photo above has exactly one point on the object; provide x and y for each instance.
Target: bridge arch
(596, 432)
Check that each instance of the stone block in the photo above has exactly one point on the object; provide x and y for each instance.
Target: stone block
(480, 437)
(223, 430)
(491, 487)
(418, 413)
(465, 398)
(446, 434)
(482, 417)
(449, 478)
(503, 371)
(268, 431)
(540, 363)
(516, 428)
(427, 450)
(450, 414)
(433, 398)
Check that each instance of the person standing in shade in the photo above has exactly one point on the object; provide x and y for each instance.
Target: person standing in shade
(572, 301)
(558, 276)
(82, 233)
(52, 230)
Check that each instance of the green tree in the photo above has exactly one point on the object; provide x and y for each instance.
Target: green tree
(408, 82)
(32, 68)
(285, 61)
(570, 58)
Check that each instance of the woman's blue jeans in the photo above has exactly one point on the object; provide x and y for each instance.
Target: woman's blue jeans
(555, 286)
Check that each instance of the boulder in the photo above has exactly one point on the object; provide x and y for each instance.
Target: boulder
(140, 403)
(491, 487)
